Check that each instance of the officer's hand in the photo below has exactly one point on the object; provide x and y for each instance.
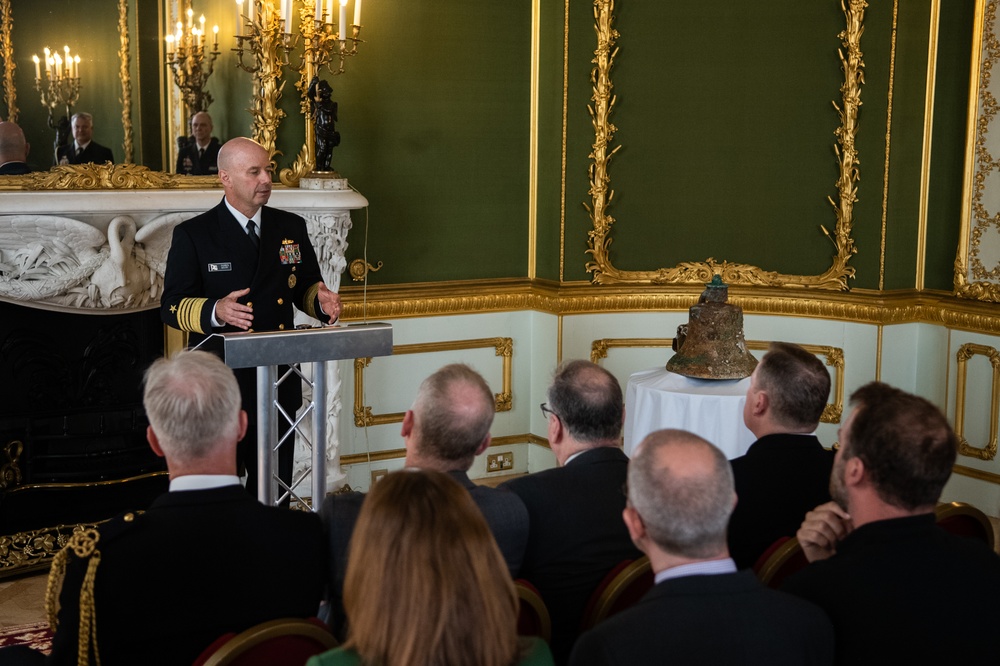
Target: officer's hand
(330, 302)
(823, 528)
(229, 311)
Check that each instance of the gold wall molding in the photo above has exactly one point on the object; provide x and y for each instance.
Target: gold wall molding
(834, 357)
(396, 454)
(503, 347)
(966, 352)
(9, 65)
(974, 473)
(469, 297)
(124, 58)
(599, 238)
(106, 177)
(978, 234)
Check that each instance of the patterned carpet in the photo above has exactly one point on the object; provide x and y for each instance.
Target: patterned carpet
(35, 635)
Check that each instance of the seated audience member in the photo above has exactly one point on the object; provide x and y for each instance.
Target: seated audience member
(786, 472)
(200, 157)
(445, 429)
(426, 584)
(206, 558)
(898, 588)
(577, 535)
(701, 610)
(83, 149)
(13, 150)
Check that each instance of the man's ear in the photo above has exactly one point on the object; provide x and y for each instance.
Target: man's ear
(485, 445)
(407, 428)
(243, 422)
(633, 521)
(154, 443)
(854, 471)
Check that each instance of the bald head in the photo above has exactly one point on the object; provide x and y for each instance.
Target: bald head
(245, 173)
(13, 147)
(682, 488)
(452, 415)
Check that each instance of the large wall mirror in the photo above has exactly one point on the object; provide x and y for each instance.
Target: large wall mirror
(124, 82)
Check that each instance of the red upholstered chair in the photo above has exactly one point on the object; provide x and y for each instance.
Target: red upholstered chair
(532, 616)
(782, 558)
(965, 520)
(289, 642)
(622, 587)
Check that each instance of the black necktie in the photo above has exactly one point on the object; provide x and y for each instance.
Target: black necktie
(201, 153)
(252, 232)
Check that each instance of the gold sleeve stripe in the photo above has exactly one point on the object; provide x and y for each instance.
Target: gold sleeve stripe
(189, 314)
(309, 300)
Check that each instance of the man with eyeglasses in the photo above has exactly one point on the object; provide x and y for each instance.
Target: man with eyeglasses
(576, 531)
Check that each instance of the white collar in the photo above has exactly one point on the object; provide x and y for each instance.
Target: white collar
(241, 218)
(203, 481)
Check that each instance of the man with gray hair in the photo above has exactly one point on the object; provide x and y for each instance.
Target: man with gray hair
(206, 558)
(701, 610)
(784, 473)
(83, 149)
(577, 535)
(445, 429)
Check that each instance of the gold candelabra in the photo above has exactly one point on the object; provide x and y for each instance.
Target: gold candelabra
(191, 61)
(58, 83)
(264, 33)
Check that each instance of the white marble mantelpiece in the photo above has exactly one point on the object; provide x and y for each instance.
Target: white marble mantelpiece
(55, 245)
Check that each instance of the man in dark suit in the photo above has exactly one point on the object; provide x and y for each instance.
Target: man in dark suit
(701, 610)
(445, 429)
(786, 472)
(83, 149)
(200, 156)
(206, 558)
(577, 535)
(13, 150)
(898, 588)
(241, 266)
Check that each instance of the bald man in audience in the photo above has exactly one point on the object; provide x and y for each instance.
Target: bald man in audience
(577, 535)
(898, 588)
(701, 609)
(445, 429)
(13, 150)
(206, 558)
(785, 473)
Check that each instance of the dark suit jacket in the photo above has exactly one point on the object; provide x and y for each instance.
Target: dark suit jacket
(192, 164)
(504, 512)
(904, 591)
(94, 152)
(577, 534)
(710, 619)
(14, 169)
(780, 478)
(196, 565)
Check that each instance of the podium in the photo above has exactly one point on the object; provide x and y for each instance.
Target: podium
(269, 349)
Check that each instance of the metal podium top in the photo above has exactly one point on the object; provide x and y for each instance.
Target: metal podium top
(249, 350)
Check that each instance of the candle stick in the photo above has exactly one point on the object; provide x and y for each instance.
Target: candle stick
(357, 12)
(170, 45)
(38, 67)
(342, 25)
(76, 67)
(239, 18)
(215, 35)
(329, 11)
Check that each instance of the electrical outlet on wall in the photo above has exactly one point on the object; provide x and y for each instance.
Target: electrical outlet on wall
(494, 462)
(507, 460)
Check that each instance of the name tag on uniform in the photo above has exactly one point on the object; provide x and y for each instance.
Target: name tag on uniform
(218, 268)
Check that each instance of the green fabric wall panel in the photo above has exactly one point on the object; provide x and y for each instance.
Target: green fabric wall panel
(434, 114)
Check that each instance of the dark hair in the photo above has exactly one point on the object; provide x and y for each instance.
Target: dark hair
(453, 413)
(588, 400)
(797, 384)
(905, 443)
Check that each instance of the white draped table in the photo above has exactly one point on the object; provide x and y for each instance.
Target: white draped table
(711, 408)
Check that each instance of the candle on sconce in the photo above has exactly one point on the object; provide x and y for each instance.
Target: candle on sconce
(215, 35)
(170, 45)
(76, 67)
(239, 18)
(38, 66)
(357, 12)
(319, 10)
(57, 66)
(329, 11)
(342, 25)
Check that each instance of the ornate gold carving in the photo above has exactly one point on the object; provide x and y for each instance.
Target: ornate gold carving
(266, 43)
(966, 352)
(834, 358)
(972, 279)
(504, 347)
(359, 269)
(10, 472)
(123, 72)
(9, 65)
(105, 177)
(33, 550)
(835, 277)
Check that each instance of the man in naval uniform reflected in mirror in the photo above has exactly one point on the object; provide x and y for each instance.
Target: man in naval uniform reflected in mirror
(200, 156)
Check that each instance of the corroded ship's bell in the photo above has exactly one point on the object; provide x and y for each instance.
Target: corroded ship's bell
(711, 344)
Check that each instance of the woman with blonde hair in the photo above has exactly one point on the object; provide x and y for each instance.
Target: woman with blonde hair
(426, 584)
